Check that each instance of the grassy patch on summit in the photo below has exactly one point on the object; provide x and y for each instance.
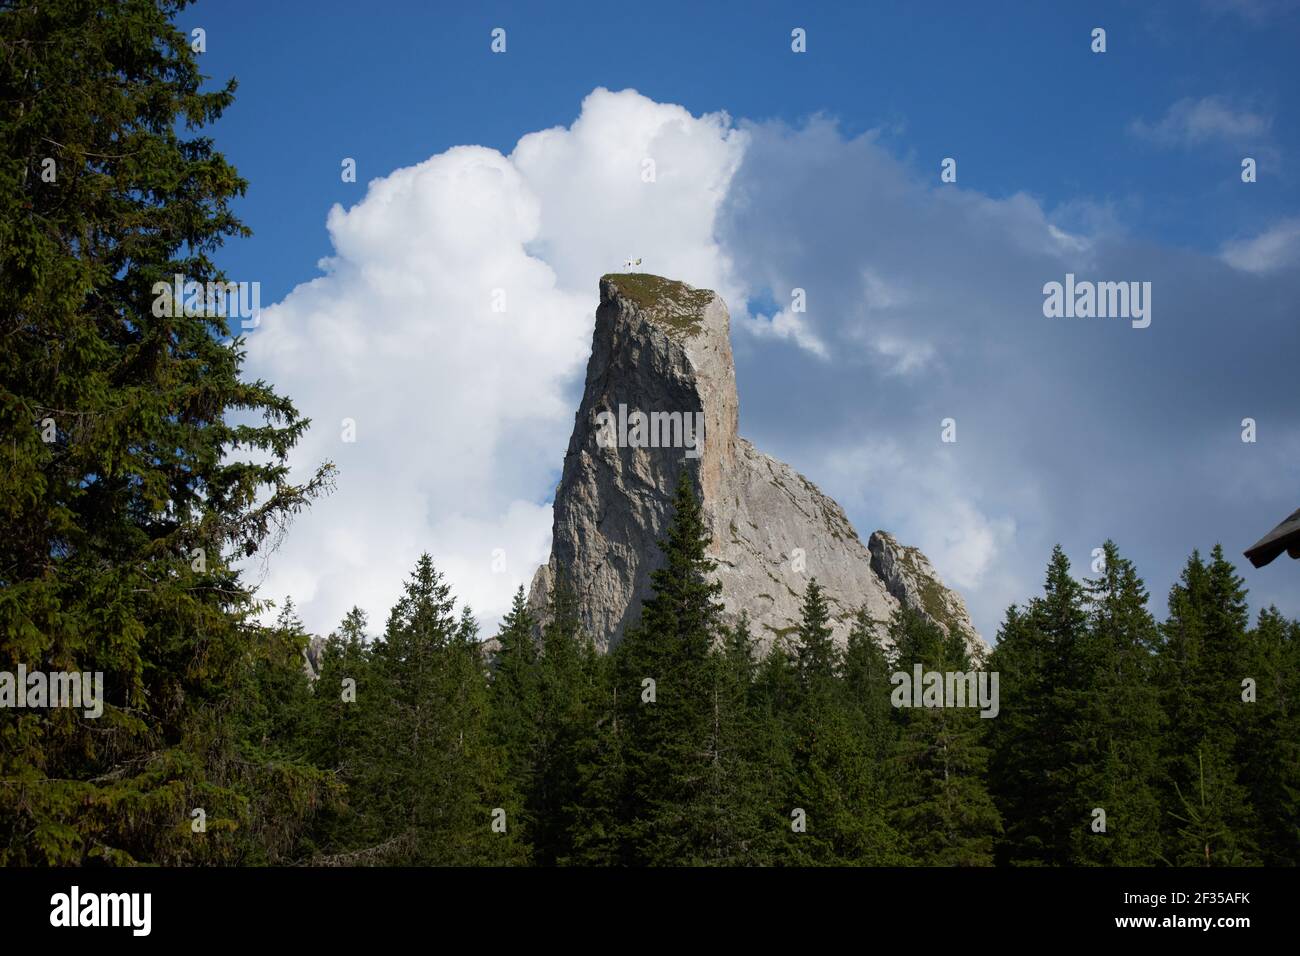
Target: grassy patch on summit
(673, 304)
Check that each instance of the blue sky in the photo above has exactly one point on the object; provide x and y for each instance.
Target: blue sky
(1010, 87)
(925, 299)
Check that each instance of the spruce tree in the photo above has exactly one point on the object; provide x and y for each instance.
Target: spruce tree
(515, 709)
(336, 725)
(1019, 769)
(817, 659)
(774, 698)
(1270, 750)
(942, 808)
(599, 806)
(667, 745)
(122, 508)
(738, 809)
(272, 716)
(1039, 660)
(483, 810)
(866, 682)
(835, 782)
(435, 776)
(568, 699)
(1114, 737)
(1202, 659)
(274, 703)
(339, 733)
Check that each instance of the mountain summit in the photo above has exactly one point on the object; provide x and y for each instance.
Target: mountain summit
(660, 396)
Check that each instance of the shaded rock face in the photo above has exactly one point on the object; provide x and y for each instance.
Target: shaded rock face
(662, 348)
(313, 656)
(908, 575)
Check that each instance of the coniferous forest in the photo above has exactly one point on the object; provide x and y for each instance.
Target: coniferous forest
(416, 747)
(123, 515)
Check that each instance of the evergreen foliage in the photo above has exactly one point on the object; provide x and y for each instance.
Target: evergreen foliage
(943, 808)
(122, 507)
(140, 467)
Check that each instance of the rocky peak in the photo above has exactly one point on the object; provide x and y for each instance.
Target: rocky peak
(660, 361)
(909, 577)
(313, 656)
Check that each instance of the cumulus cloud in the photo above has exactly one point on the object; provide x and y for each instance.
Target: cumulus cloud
(923, 302)
(1191, 122)
(903, 357)
(785, 324)
(928, 298)
(451, 326)
(631, 178)
(1275, 248)
(952, 531)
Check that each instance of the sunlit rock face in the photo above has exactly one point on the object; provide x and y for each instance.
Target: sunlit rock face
(660, 372)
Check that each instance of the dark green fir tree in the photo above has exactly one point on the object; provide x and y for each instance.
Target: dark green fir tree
(666, 693)
(942, 807)
(836, 785)
(1202, 659)
(122, 509)
(1115, 734)
(1038, 660)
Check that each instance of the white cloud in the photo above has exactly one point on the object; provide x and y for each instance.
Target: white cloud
(788, 325)
(962, 541)
(463, 413)
(922, 303)
(598, 210)
(879, 293)
(1191, 121)
(903, 356)
(900, 354)
(1276, 248)
(929, 303)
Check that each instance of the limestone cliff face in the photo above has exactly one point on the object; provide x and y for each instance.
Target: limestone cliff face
(662, 349)
(313, 656)
(909, 577)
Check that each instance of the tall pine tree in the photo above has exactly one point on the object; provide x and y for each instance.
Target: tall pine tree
(436, 781)
(942, 807)
(1201, 662)
(1270, 751)
(665, 692)
(835, 782)
(516, 707)
(1038, 660)
(1114, 736)
(122, 509)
